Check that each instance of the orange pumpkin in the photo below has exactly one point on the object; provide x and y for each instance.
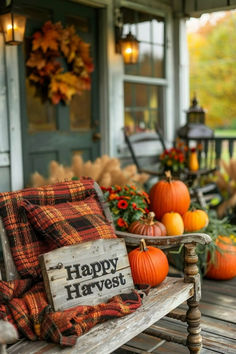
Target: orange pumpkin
(195, 220)
(149, 265)
(174, 223)
(169, 195)
(147, 226)
(224, 266)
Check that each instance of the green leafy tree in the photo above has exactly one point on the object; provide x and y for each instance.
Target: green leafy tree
(212, 51)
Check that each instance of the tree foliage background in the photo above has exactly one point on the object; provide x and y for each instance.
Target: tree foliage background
(212, 50)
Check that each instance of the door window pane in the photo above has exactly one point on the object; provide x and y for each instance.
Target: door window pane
(80, 105)
(41, 115)
(80, 112)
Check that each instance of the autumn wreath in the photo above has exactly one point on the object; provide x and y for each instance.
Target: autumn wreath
(59, 64)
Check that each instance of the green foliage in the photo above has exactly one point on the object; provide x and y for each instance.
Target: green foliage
(206, 253)
(216, 227)
(213, 69)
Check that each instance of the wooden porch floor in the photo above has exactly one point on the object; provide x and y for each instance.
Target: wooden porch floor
(218, 308)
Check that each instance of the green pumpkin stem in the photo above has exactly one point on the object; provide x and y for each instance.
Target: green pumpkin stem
(143, 246)
(168, 175)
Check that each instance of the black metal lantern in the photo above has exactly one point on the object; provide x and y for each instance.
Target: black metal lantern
(129, 49)
(12, 22)
(195, 127)
(195, 113)
(128, 46)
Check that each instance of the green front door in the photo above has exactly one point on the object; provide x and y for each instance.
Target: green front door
(56, 132)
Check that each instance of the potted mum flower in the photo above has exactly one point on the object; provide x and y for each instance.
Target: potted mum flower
(173, 159)
(127, 204)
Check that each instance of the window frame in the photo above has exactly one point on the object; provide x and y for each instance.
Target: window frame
(147, 80)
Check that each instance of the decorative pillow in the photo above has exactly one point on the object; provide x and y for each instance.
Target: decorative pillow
(25, 244)
(69, 223)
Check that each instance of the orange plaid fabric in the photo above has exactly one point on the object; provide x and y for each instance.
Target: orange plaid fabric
(29, 311)
(69, 223)
(26, 245)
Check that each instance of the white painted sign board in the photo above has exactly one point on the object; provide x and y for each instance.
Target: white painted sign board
(86, 274)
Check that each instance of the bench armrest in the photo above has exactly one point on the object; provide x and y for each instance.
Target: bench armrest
(8, 333)
(164, 241)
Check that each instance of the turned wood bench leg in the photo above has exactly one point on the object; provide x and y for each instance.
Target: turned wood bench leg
(193, 316)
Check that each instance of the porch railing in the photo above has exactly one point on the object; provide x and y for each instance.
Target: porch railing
(212, 150)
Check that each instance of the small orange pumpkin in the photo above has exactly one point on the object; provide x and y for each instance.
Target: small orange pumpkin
(224, 266)
(195, 220)
(169, 195)
(174, 223)
(149, 265)
(147, 226)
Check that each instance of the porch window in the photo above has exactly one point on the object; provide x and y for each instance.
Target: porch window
(144, 82)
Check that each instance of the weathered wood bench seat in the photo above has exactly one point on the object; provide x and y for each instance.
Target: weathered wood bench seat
(107, 337)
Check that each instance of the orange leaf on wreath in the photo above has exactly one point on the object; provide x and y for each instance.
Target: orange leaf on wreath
(48, 38)
(36, 60)
(70, 42)
(85, 55)
(34, 77)
(65, 85)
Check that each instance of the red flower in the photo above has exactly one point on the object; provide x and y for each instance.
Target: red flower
(122, 223)
(134, 205)
(122, 204)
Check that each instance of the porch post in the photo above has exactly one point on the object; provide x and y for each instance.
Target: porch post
(16, 162)
(181, 72)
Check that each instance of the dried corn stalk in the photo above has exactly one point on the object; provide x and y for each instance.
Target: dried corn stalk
(104, 170)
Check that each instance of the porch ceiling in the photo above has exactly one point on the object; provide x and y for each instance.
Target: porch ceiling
(195, 8)
(182, 8)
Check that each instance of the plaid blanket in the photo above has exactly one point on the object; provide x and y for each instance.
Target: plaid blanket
(23, 302)
(25, 306)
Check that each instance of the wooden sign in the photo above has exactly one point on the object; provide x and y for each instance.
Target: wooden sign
(86, 274)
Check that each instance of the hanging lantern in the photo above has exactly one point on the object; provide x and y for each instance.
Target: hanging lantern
(12, 24)
(129, 49)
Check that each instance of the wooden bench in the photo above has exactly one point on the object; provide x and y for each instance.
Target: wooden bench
(161, 301)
